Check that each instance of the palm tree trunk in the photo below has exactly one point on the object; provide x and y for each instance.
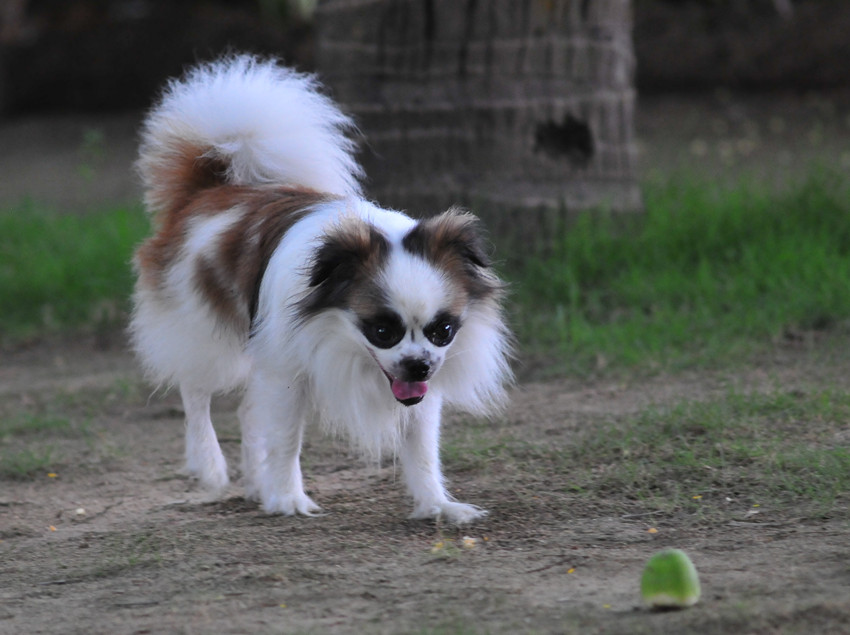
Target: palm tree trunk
(522, 105)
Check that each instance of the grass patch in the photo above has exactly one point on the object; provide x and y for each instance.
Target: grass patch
(123, 553)
(60, 271)
(777, 446)
(20, 464)
(774, 450)
(782, 451)
(38, 440)
(475, 446)
(27, 444)
(709, 272)
(32, 424)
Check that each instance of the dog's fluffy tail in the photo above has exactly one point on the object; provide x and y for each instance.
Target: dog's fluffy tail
(244, 120)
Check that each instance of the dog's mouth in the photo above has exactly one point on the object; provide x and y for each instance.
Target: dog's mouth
(408, 393)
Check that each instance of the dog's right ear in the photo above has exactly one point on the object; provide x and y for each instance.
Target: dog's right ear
(350, 254)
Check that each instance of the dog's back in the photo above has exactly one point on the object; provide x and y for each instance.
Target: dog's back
(231, 156)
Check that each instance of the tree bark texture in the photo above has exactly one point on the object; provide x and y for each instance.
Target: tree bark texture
(501, 105)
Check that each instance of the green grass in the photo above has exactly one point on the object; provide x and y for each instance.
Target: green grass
(24, 463)
(709, 272)
(28, 443)
(64, 429)
(780, 451)
(31, 424)
(41, 432)
(767, 449)
(64, 271)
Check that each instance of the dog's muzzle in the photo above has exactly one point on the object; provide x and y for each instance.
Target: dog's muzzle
(412, 384)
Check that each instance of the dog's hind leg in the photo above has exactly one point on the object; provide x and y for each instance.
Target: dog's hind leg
(204, 459)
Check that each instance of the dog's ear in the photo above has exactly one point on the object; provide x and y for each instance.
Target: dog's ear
(454, 242)
(452, 234)
(350, 253)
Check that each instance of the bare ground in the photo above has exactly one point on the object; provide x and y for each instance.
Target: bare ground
(114, 540)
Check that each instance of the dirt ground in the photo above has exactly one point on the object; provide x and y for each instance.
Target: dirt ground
(115, 540)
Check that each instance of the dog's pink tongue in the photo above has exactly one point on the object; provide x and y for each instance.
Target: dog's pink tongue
(408, 389)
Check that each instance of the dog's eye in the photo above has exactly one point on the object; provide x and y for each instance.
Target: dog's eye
(442, 330)
(385, 331)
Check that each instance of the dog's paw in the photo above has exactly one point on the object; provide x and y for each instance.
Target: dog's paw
(451, 512)
(212, 475)
(290, 504)
(250, 491)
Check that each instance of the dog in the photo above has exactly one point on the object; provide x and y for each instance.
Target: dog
(270, 273)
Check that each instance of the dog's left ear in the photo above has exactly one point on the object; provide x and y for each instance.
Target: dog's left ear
(454, 241)
(454, 233)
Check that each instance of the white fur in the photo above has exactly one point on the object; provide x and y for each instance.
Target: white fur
(274, 127)
(178, 339)
(270, 122)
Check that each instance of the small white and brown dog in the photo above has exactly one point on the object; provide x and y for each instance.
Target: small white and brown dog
(269, 272)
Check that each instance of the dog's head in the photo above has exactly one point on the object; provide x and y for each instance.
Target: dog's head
(406, 300)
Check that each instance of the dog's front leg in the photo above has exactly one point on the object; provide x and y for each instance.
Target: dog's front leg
(420, 459)
(273, 418)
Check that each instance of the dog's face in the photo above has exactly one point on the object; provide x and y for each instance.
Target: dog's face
(406, 301)
(410, 330)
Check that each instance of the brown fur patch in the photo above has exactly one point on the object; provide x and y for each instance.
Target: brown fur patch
(176, 173)
(453, 243)
(229, 276)
(344, 269)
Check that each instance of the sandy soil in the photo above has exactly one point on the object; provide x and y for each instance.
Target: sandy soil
(117, 541)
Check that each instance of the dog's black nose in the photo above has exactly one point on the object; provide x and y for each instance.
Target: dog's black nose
(416, 369)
